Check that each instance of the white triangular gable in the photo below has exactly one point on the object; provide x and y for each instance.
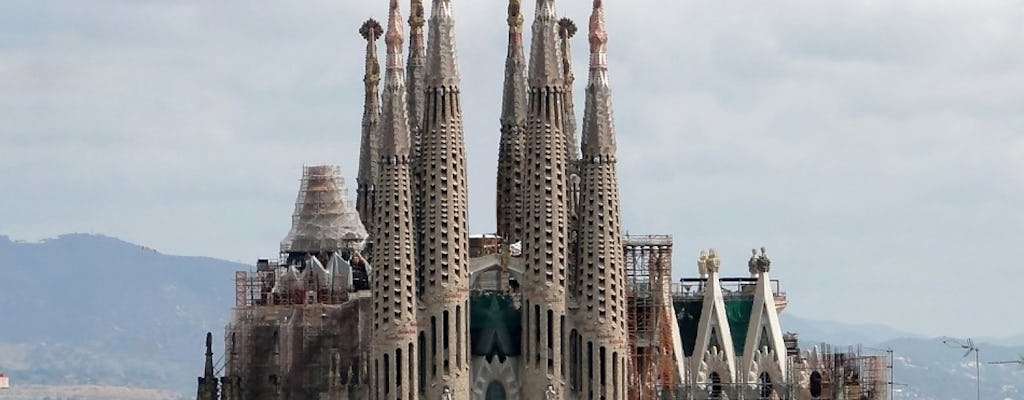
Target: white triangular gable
(714, 327)
(764, 350)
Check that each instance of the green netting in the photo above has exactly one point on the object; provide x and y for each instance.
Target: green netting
(688, 317)
(737, 311)
(495, 325)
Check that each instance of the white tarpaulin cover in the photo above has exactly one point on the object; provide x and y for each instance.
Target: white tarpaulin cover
(323, 220)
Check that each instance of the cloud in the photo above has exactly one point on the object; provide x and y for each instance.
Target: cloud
(873, 146)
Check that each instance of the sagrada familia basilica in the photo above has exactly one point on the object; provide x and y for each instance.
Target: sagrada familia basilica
(395, 299)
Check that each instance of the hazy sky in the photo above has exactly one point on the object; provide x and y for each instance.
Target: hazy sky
(876, 147)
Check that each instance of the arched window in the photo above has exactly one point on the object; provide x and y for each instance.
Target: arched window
(714, 386)
(764, 383)
(495, 391)
(815, 384)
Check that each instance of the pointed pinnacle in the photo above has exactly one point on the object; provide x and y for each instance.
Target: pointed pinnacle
(394, 37)
(371, 31)
(598, 37)
(545, 52)
(515, 16)
(442, 61)
(416, 16)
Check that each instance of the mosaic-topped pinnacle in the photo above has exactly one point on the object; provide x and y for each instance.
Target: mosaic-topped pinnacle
(394, 117)
(566, 28)
(598, 37)
(416, 16)
(371, 31)
(370, 28)
(394, 37)
(515, 16)
(598, 121)
(442, 61)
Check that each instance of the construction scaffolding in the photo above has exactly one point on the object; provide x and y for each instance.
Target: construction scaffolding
(834, 373)
(323, 219)
(649, 307)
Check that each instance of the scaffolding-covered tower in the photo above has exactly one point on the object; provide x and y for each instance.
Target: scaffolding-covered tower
(652, 330)
(301, 325)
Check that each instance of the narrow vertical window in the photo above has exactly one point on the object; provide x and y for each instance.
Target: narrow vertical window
(458, 337)
(551, 341)
(604, 382)
(590, 369)
(387, 374)
(536, 334)
(615, 374)
(398, 368)
(422, 370)
(526, 331)
(561, 346)
(444, 341)
(433, 346)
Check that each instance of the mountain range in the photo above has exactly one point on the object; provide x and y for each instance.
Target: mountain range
(94, 310)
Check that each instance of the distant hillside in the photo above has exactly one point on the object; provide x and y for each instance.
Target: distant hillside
(82, 311)
(840, 333)
(86, 309)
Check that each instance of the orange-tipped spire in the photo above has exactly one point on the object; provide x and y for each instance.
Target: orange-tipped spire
(394, 38)
(598, 37)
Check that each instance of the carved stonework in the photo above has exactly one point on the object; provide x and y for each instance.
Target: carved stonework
(487, 373)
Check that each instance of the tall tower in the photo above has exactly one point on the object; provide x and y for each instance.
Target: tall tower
(513, 124)
(394, 304)
(208, 382)
(370, 144)
(601, 264)
(444, 236)
(545, 219)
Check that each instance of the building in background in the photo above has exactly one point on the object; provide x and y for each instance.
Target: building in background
(392, 298)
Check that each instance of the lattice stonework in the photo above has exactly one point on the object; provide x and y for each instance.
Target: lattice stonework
(394, 365)
(443, 222)
(545, 213)
(513, 123)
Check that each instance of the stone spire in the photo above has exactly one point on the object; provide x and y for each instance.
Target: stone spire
(442, 65)
(601, 264)
(208, 382)
(416, 71)
(598, 118)
(369, 147)
(394, 351)
(442, 222)
(513, 123)
(545, 213)
(566, 30)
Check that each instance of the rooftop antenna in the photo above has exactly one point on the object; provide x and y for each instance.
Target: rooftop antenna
(1018, 362)
(970, 347)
